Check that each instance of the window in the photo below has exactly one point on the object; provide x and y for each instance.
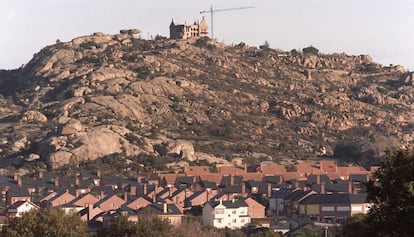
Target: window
(220, 211)
(234, 220)
(343, 208)
(328, 208)
(234, 212)
(242, 220)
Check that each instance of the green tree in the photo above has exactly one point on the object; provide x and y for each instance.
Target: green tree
(354, 227)
(392, 212)
(145, 227)
(311, 50)
(45, 223)
(120, 227)
(392, 196)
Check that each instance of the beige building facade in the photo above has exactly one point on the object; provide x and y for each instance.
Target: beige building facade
(188, 31)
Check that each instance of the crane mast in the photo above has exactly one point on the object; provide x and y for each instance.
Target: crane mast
(212, 11)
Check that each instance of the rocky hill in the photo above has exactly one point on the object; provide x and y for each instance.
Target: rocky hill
(104, 94)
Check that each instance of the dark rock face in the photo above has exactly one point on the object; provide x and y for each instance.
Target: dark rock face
(103, 94)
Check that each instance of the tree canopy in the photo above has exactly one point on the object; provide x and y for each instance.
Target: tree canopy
(45, 223)
(391, 194)
(146, 227)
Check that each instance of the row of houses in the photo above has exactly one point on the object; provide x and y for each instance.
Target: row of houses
(199, 190)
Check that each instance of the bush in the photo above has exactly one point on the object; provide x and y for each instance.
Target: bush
(265, 46)
(310, 50)
(204, 42)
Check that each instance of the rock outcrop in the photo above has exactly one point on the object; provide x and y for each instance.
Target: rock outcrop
(102, 95)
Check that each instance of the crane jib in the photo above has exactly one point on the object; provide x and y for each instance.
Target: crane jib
(211, 11)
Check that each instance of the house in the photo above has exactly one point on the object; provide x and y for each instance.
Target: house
(255, 209)
(43, 198)
(196, 170)
(335, 207)
(19, 207)
(84, 200)
(231, 214)
(60, 199)
(328, 166)
(198, 198)
(308, 168)
(212, 177)
(137, 203)
(229, 169)
(292, 200)
(185, 181)
(164, 211)
(270, 169)
(178, 197)
(168, 180)
(15, 194)
(205, 185)
(276, 200)
(90, 212)
(109, 203)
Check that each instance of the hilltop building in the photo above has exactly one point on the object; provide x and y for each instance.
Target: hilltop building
(186, 31)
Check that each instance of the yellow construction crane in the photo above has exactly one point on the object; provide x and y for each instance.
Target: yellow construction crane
(211, 11)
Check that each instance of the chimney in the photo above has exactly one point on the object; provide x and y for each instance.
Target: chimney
(323, 187)
(207, 195)
(133, 190)
(90, 210)
(165, 208)
(102, 195)
(77, 181)
(154, 197)
(350, 186)
(281, 179)
(176, 199)
(40, 175)
(269, 190)
(243, 189)
(98, 173)
(145, 190)
(318, 179)
(77, 192)
(19, 182)
(245, 167)
(296, 184)
(194, 179)
(125, 196)
(56, 181)
(231, 179)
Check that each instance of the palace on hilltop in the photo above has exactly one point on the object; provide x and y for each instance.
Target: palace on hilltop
(188, 31)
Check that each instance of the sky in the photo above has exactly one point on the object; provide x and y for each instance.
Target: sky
(383, 29)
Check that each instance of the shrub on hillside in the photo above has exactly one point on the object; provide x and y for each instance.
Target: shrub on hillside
(310, 50)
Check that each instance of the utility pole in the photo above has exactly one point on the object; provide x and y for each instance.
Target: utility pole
(212, 11)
